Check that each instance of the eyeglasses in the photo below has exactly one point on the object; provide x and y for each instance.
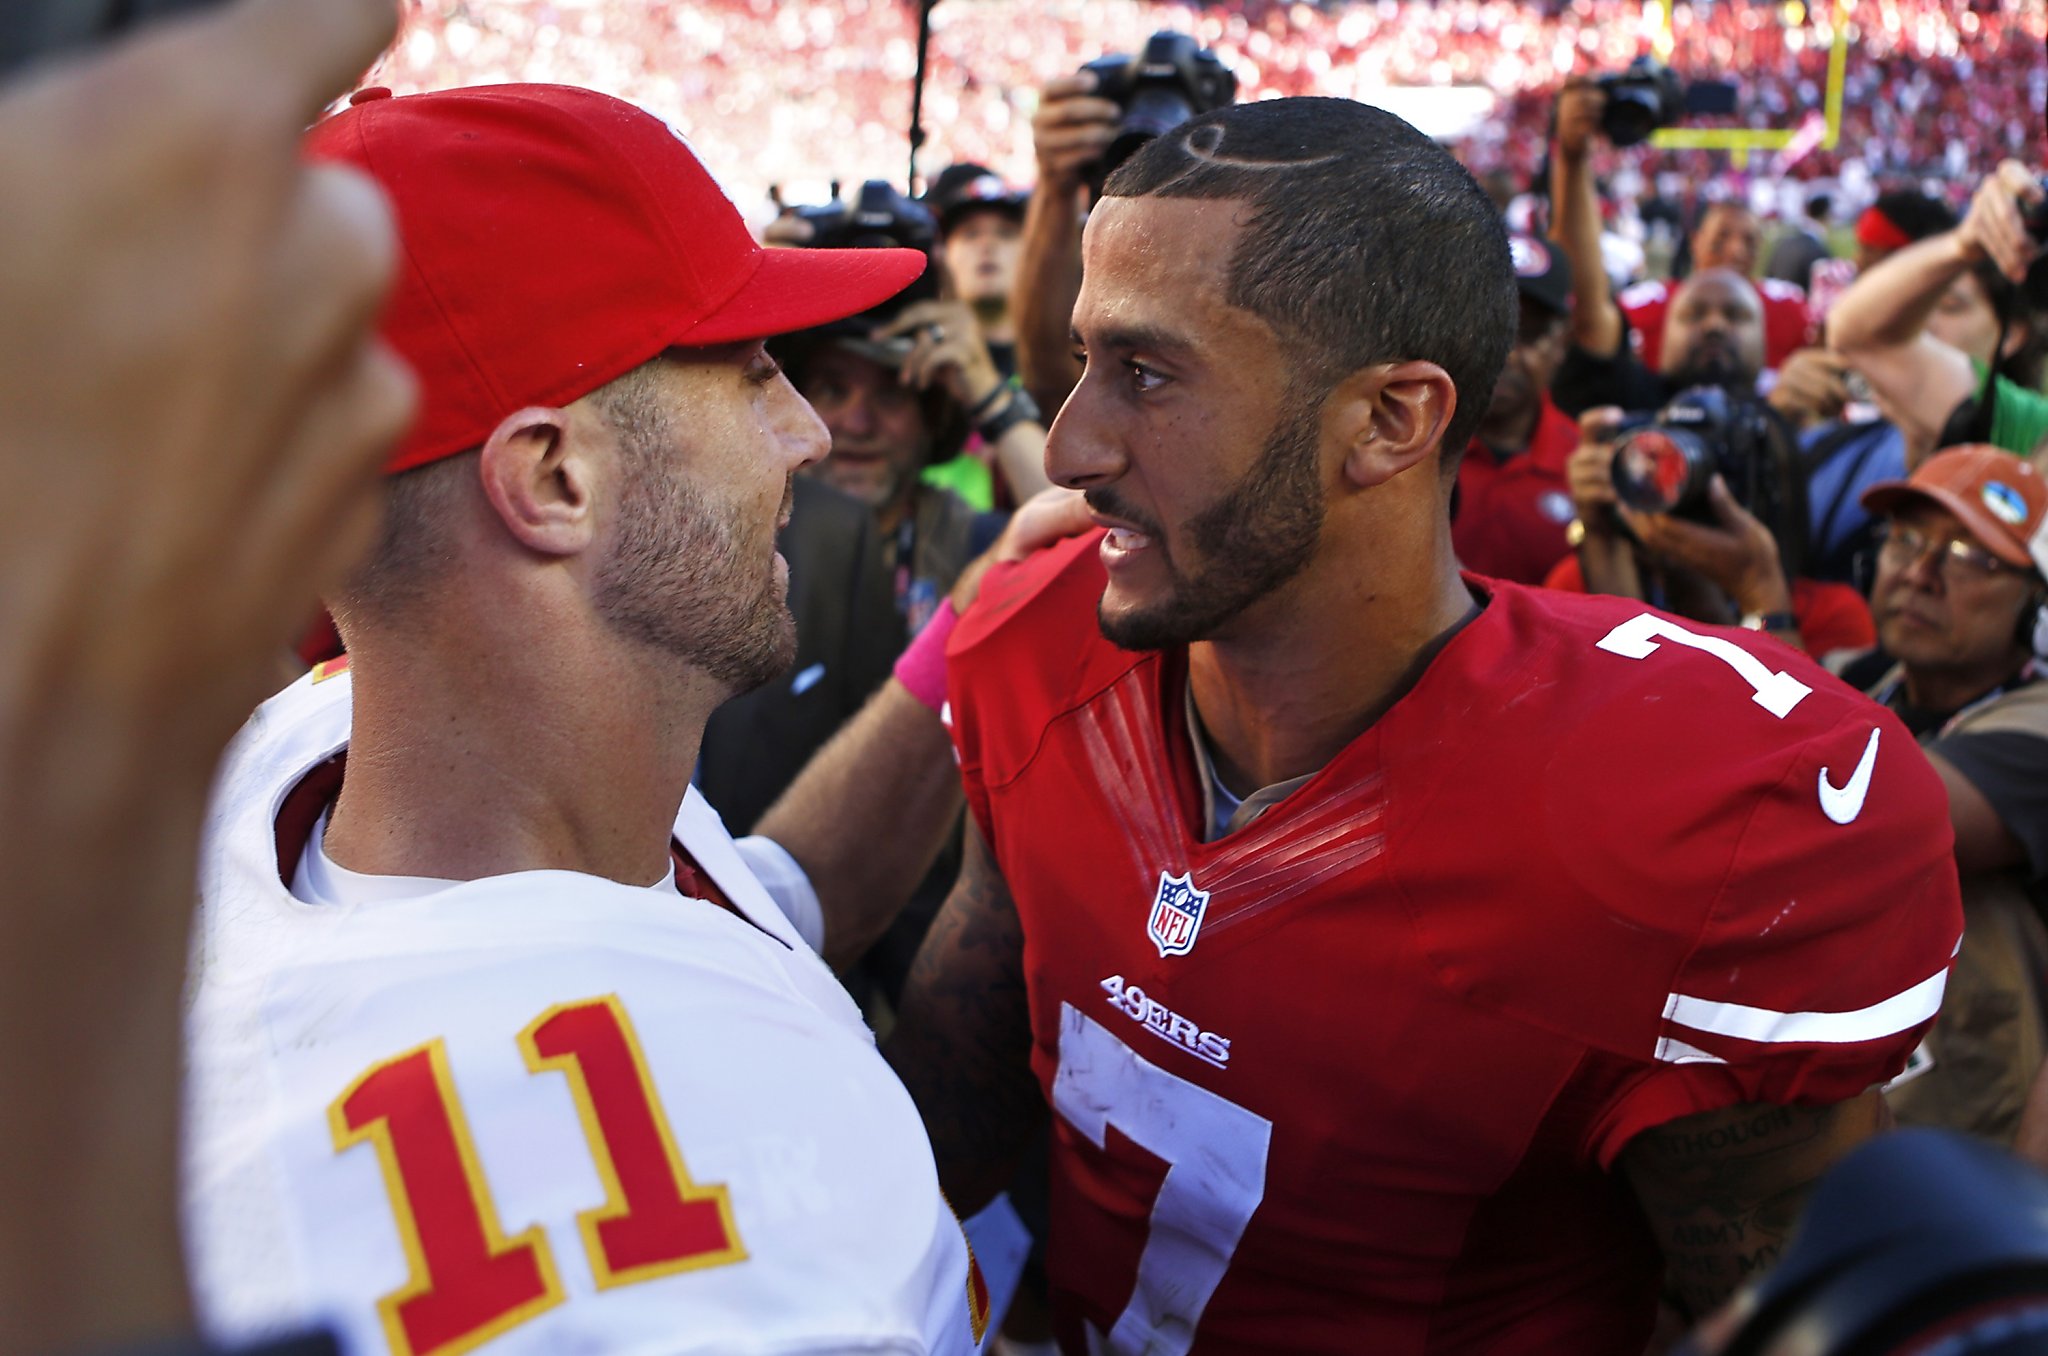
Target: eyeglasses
(1901, 546)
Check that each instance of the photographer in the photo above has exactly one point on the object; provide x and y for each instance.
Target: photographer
(1723, 564)
(1958, 597)
(1846, 440)
(1713, 336)
(1085, 123)
(1973, 275)
(899, 388)
(1070, 131)
(980, 236)
(1726, 238)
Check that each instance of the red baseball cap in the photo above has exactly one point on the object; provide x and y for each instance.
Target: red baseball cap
(2001, 499)
(554, 239)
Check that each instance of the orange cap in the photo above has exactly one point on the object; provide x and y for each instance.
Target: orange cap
(2001, 499)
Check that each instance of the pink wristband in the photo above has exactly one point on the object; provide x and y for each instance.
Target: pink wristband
(922, 667)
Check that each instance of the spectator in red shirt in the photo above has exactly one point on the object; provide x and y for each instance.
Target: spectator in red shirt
(1513, 502)
(1727, 237)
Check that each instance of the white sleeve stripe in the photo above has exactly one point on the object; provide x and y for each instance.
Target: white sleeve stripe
(1894, 1014)
(1673, 1051)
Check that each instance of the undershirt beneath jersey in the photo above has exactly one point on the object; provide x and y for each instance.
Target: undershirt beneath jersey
(1223, 811)
(321, 881)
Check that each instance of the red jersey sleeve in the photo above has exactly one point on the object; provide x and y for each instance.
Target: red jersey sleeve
(1823, 956)
(1001, 690)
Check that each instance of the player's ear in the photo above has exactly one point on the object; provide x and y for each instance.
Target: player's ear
(1389, 416)
(541, 468)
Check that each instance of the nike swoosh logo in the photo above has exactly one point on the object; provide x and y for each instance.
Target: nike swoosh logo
(1843, 803)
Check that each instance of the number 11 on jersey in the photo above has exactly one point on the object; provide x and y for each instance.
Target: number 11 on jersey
(466, 1281)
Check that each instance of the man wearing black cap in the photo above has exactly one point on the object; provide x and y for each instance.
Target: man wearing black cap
(1513, 502)
(980, 221)
(981, 233)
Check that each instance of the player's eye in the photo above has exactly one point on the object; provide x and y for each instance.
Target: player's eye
(1144, 378)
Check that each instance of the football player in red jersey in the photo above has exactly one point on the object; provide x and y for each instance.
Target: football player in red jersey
(1411, 964)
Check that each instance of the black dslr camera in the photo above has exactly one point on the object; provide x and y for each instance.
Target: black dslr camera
(2035, 288)
(879, 217)
(1663, 461)
(1640, 99)
(1173, 79)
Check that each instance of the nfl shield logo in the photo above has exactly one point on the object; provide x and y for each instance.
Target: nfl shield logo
(1176, 915)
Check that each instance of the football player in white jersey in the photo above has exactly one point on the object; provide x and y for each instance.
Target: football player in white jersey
(496, 1041)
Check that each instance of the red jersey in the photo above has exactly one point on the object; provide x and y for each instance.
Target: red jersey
(1787, 327)
(1353, 1077)
(1512, 511)
(1830, 616)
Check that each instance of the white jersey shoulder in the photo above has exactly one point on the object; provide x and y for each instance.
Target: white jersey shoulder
(544, 1111)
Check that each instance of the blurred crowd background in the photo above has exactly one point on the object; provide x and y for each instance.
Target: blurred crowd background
(794, 96)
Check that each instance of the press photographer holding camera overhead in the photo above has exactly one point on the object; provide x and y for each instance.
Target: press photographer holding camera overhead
(1992, 265)
(1624, 108)
(1712, 332)
(1087, 123)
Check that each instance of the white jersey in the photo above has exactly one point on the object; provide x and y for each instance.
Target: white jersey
(541, 1112)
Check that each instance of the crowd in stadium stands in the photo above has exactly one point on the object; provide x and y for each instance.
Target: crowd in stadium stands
(800, 94)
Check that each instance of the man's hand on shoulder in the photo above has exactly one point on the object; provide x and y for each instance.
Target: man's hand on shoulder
(1722, 1190)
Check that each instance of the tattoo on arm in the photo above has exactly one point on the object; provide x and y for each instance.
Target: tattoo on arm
(1723, 1190)
(962, 1043)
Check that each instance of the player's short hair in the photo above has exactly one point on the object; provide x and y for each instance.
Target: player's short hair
(415, 545)
(1367, 242)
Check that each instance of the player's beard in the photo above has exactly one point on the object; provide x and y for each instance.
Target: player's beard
(1259, 535)
(686, 579)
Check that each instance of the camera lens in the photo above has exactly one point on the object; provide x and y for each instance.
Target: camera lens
(1659, 470)
(1630, 118)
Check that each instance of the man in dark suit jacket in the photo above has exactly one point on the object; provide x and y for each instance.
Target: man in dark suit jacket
(848, 634)
(1800, 248)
